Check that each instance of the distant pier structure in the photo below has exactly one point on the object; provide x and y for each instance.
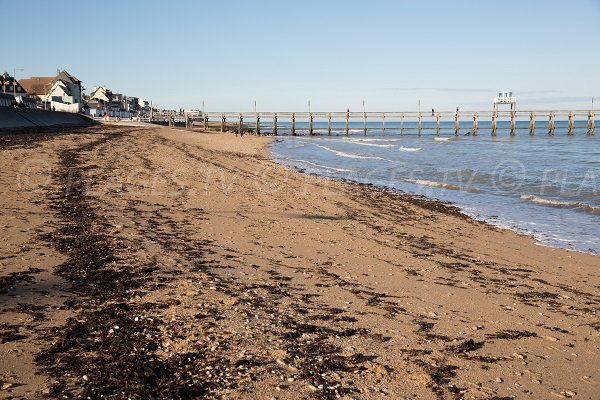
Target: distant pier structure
(339, 122)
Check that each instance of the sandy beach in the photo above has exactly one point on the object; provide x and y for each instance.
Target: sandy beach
(143, 262)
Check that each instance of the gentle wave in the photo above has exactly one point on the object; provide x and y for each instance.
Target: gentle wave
(561, 204)
(373, 140)
(433, 184)
(443, 139)
(302, 131)
(347, 155)
(371, 144)
(322, 166)
(298, 146)
(409, 149)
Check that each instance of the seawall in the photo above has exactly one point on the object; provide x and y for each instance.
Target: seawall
(12, 119)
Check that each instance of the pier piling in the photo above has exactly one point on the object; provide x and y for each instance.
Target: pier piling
(551, 123)
(571, 126)
(420, 124)
(258, 124)
(456, 124)
(241, 128)
(532, 124)
(329, 124)
(590, 130)
(494, 123)
(402, 124)
(223, 122)
(205, 122)
(365, 123)
(438, 124)
(310, 124)
(347, 122)
(275, 124)
(475, 124)
(513, 123)
(293, 124)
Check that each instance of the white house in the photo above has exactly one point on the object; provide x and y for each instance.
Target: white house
(62, 92)
(10, 86)
(102, 94)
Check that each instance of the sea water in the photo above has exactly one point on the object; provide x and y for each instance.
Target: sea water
(547, 186)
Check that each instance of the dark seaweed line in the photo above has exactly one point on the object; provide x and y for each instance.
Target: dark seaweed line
(107, 350)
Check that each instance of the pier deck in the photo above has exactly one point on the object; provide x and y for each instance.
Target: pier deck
(277, 123)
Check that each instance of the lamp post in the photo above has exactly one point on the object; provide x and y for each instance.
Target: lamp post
(15, 81)
(364, 117)
(46, 99)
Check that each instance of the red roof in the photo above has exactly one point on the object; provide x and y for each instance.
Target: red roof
(37, 85)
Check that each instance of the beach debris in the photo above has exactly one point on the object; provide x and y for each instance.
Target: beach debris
(550, 338)
(511, 334)
(468, 346)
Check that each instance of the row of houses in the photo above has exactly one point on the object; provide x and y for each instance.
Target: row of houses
(65, 92)
(103, 101)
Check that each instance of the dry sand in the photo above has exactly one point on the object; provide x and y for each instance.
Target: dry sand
(141, 262)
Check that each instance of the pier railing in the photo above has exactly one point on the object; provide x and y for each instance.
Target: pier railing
(460, 121)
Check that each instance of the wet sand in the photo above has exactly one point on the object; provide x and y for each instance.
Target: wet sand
(158, 263)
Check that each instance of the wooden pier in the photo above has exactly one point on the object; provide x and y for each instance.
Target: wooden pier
(463, 122)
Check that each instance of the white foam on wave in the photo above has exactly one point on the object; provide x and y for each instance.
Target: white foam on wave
(323, 166)
(425, 182)
(298, 146)
(542, 244)
(443, 139)
(561, 204)
(370, 144)
(409, 149)
(348, 155)
(354, 139)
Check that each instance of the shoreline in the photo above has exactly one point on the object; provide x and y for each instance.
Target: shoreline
(178, 253)
(437, 205)
(554, 233)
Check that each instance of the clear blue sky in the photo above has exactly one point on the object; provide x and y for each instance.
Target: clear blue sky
(281, 53)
